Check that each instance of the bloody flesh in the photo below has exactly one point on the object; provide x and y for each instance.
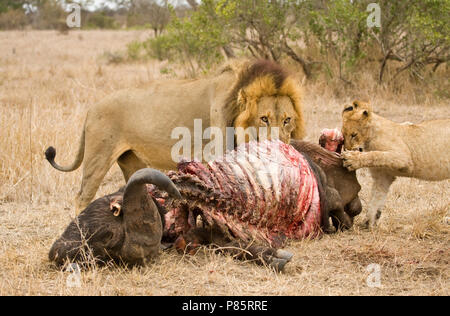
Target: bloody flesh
(262, 191)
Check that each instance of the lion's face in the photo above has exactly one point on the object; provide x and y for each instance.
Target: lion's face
(267, 112)
(356, 120)
(274, 112)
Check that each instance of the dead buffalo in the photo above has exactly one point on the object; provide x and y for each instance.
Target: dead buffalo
(249, 203)
(341, 186)
(125, 226)
(261, 194)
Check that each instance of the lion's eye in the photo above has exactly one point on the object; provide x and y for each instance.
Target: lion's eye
(265, 119)
(354, 135)
(287, 121)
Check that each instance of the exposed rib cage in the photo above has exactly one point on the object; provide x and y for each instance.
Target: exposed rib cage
(264, 192)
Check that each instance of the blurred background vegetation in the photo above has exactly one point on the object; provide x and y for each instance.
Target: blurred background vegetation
(327, 39)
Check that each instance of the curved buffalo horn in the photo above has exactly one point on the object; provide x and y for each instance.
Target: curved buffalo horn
(152, 176)
(141, 218)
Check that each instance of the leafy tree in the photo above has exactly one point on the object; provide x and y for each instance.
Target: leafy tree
(194, 40)
(263, 28)
(152, 13)
(414, 34)
(6, 5)
(266, 29)
(12, 15)
(340, 27)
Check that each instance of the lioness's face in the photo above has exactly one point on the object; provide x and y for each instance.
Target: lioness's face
(274, 112)
(356, 119)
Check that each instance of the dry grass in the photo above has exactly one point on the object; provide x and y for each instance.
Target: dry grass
(53, 79)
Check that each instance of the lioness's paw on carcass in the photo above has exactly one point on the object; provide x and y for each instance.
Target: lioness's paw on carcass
(352, 160)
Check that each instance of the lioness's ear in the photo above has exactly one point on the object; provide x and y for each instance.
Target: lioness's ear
(365, 115)
(348, 109)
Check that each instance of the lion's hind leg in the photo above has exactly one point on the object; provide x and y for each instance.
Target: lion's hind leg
(129, 163)
(99, 158)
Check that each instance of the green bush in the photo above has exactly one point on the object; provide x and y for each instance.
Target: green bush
(341, 30)
(328, 37)
(134, 50)
(13, 19)
(6, 5)
(193, 41)
(159, 47)
(99, 20)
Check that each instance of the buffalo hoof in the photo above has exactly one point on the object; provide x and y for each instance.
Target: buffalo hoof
(283, 254)
(278, 264)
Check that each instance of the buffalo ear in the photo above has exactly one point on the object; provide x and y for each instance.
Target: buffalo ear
(322, 141)
(116, 207)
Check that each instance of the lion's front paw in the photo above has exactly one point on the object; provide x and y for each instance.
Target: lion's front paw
(368, 224)
(352, 160)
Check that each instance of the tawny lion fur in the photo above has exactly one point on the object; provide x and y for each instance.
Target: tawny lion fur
(134, 127)
(393, 150)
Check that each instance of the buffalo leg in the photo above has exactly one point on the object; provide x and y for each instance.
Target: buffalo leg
(340, 219)
(354, 208)
(261, 255)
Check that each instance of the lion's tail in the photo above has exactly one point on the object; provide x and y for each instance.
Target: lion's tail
(50, 155)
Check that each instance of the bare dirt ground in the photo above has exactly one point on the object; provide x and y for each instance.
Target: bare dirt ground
(47, 83)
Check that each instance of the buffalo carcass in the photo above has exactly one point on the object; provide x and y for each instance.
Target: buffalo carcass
(256, 198)
(125, 227)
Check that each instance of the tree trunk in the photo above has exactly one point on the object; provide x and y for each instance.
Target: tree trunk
(383, 67)
(306, 65)
(193, 4)
(229, 51)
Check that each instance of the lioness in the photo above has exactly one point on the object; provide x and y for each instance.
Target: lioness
(134, 127)
(393, 150)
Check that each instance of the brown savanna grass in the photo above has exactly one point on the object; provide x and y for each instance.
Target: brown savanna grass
(47, 83)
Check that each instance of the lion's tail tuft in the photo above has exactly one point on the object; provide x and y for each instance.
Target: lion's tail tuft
(50, 155)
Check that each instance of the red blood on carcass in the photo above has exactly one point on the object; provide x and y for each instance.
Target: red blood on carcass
(332, 140)
(262, 191)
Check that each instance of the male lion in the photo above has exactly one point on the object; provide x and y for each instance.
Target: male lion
(134, 127)
(393, 150)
